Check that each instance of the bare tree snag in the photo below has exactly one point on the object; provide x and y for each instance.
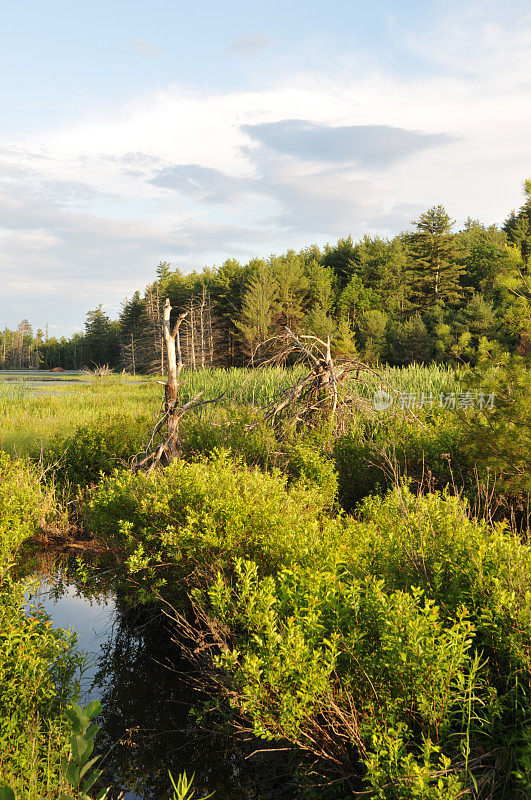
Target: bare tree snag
(175, 364)
(170, 449)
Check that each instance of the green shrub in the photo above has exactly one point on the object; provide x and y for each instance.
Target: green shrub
(37, 668)
(23, 504)
(307, 464)
(98, 448)
(375, 683)
(207, 510)
(238, 430)
(235, 428)
(406, 653)
(430, 541)
(429, 451)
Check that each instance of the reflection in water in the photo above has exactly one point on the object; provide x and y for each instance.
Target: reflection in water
(146, 725)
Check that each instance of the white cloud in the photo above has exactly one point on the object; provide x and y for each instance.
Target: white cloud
(90, 208)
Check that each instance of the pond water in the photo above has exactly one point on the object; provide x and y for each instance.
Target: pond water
(38, 380)
(146, 690)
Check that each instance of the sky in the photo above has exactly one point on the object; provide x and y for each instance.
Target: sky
(136, 132)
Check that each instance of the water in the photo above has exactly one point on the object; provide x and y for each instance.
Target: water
(36, 380)
(146, 725)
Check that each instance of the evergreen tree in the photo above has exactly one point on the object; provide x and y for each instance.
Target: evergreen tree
(435, 271)
(99, 339)
(344, 342)
(343, 259)
(318, 323)
(320, 289)
(356, 298)
(228, 288)
(518, 226)
(372, 327)
(490, 265)
(163, 272)
(409, 342)
(259, 308)
(292, 285)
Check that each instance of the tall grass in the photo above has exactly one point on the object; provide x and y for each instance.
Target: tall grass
(28, 420)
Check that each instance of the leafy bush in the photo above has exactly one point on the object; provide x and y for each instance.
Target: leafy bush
(307, 464)
(430, 541)
(94, 449)
(430, 451)
(404, 658)
(37, 663)
(37, 667)
(373, 682)
(203, 511)
(237, 430)
(233, 428)
(23, 504)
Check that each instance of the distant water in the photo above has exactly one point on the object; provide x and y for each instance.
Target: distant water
(36, 380)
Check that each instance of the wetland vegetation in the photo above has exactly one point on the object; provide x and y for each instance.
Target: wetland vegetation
(361, 618)
(333, 577)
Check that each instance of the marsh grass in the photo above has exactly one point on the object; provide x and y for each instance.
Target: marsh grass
(30, 419)
(38, 769)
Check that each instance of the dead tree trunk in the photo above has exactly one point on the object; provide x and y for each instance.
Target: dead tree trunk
(170, 449)
(175, 365)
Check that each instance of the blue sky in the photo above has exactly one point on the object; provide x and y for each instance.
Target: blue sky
(190, 132)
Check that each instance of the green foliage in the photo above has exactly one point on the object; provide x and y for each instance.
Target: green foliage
(100, 338)
(356, 298)
(429, 450)
(37, 669)
(410, 642)
(182, 789)
(371, 330)
(435, 270)
(409, 342)
(78, 768)
(308, 464)
(259, 306)
(80, 458)
(499, 438)
(207, 511)
(319, 650)
(23, 503)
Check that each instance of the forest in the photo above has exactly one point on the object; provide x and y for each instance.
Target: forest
(427, 295)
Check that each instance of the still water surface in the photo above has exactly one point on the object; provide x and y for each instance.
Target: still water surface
(146, 724)
(39, 380)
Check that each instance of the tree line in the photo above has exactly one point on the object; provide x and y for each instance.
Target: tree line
(428, 294)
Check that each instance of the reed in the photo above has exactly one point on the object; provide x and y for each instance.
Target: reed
(30, 418)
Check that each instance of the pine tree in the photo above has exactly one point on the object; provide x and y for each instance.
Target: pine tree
(320, 285)
(435, 271)
(259, 308)
(288, 272)
(99, 343)
(518, 226)
(343, 259)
